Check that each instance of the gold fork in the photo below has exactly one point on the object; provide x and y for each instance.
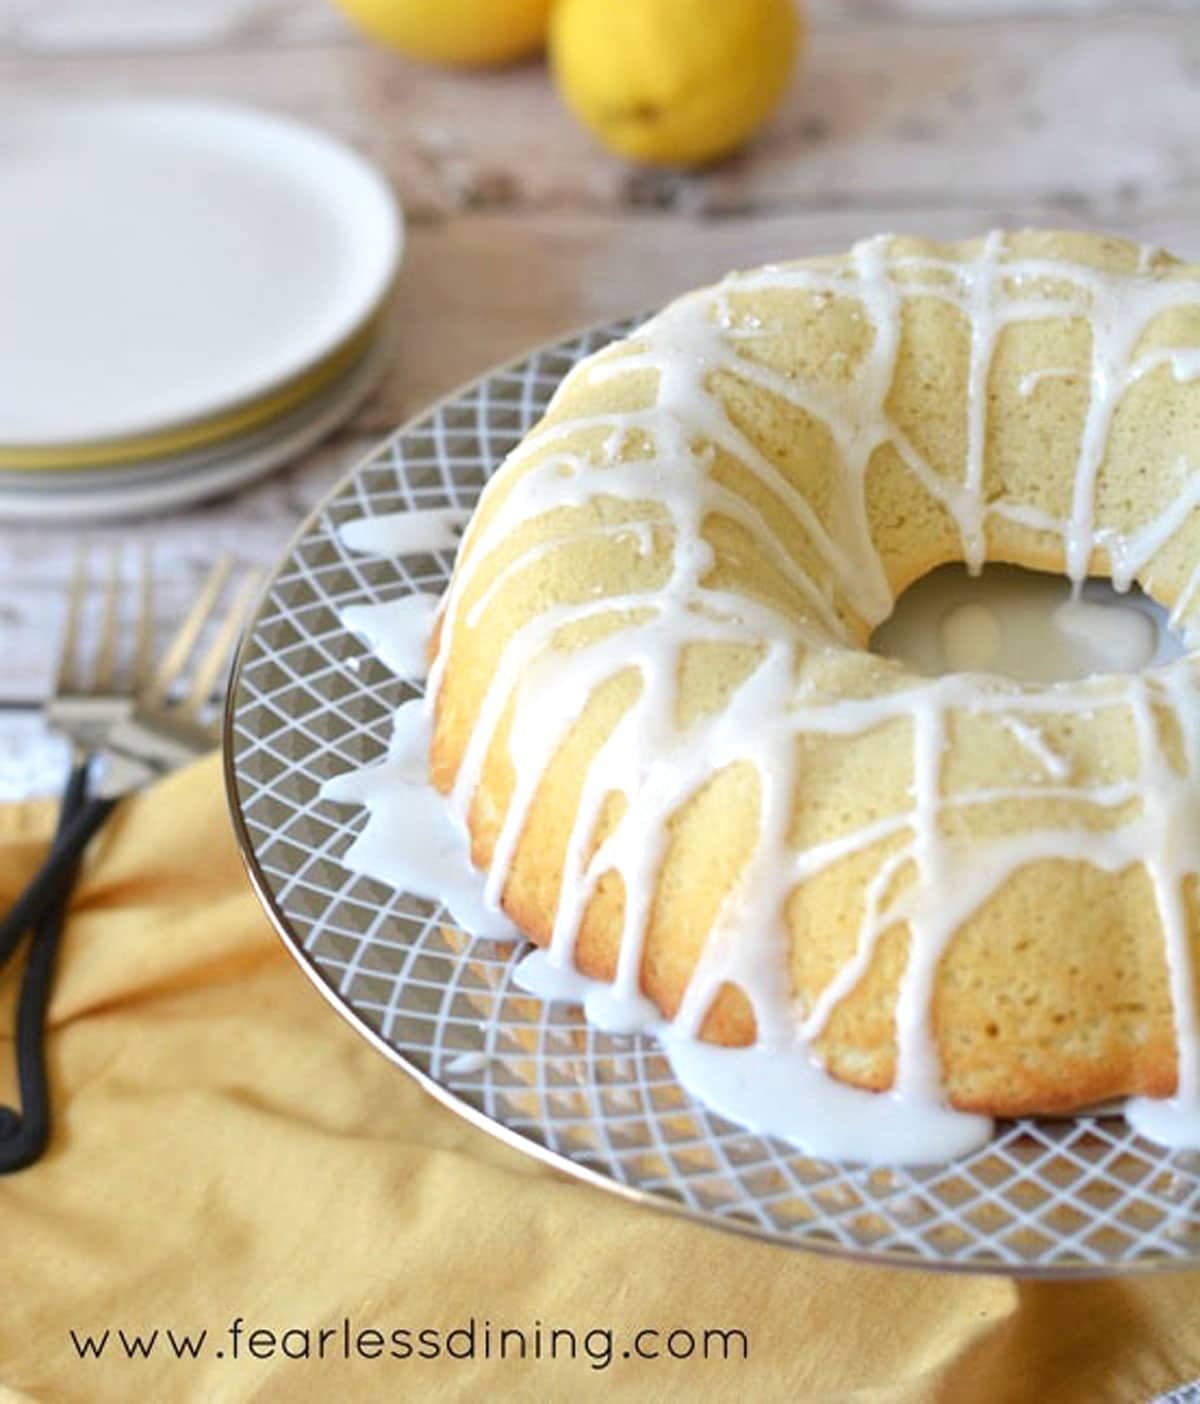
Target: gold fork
(135, 737)
(160, 731)
(86, 703)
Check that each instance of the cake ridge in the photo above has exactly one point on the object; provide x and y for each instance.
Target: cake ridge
(556, 621)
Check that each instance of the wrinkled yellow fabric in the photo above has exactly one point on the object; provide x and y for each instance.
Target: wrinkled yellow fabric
(227, 1147)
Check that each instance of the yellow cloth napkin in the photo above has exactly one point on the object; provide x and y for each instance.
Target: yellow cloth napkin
(226, 1148)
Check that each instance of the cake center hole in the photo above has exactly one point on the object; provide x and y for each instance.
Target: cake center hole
(1023, 624)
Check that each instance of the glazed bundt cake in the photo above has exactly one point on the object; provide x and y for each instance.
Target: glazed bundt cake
(685, 774)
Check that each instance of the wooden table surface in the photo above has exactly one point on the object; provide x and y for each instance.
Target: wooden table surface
(945, 117)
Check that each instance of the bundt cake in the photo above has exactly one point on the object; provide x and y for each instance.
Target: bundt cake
(684, 773)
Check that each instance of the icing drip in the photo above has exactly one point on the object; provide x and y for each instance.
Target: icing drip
(398, 631)
(781, 1092)
(1123, 640)
(404, 533)
(656, 767)
(411, 840)
(1172, 811)
(1029, 383)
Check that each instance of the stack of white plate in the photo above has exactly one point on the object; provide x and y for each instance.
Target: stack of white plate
(190, 295)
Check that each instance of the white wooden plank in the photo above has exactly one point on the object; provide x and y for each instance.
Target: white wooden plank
(828, 13)
(33, 761)
(254, 525)
(1091, 116)
(130, 26)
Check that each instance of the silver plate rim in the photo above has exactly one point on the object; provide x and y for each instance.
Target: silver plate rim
(897, 1257)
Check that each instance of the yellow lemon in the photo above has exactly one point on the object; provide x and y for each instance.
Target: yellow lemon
(673, 82)
(468, 32)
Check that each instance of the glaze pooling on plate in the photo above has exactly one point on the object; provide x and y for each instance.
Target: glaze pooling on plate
(1023, 626)
(1151, 816)
(413, 841)
(405, 533)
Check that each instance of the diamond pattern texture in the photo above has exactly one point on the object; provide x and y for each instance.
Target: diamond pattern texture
(1071, 1197)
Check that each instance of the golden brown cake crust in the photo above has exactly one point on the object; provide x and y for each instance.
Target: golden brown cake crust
(845, 431)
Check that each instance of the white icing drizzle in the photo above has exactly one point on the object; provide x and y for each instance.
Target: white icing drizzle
(657, 767)
(404, 533)
(1037, 746)
(412, 840)
(397, 631)
(779, 1092)
(1122, 640)
(1029, 383)
(1184, 363)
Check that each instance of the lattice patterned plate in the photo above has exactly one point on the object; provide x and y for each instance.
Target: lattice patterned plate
(1082, 1196)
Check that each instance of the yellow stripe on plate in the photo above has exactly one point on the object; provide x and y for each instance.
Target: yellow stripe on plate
(200, 432)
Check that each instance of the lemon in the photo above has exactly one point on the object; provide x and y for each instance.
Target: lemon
(673, 82)
(468, 32)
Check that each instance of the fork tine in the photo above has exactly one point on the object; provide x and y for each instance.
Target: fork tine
(181, 645)
(143, 658)
(214, 659)
(106, 655)
(67, 662)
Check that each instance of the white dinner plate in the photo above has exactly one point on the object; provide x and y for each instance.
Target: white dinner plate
(98, 495)
(165, 261)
